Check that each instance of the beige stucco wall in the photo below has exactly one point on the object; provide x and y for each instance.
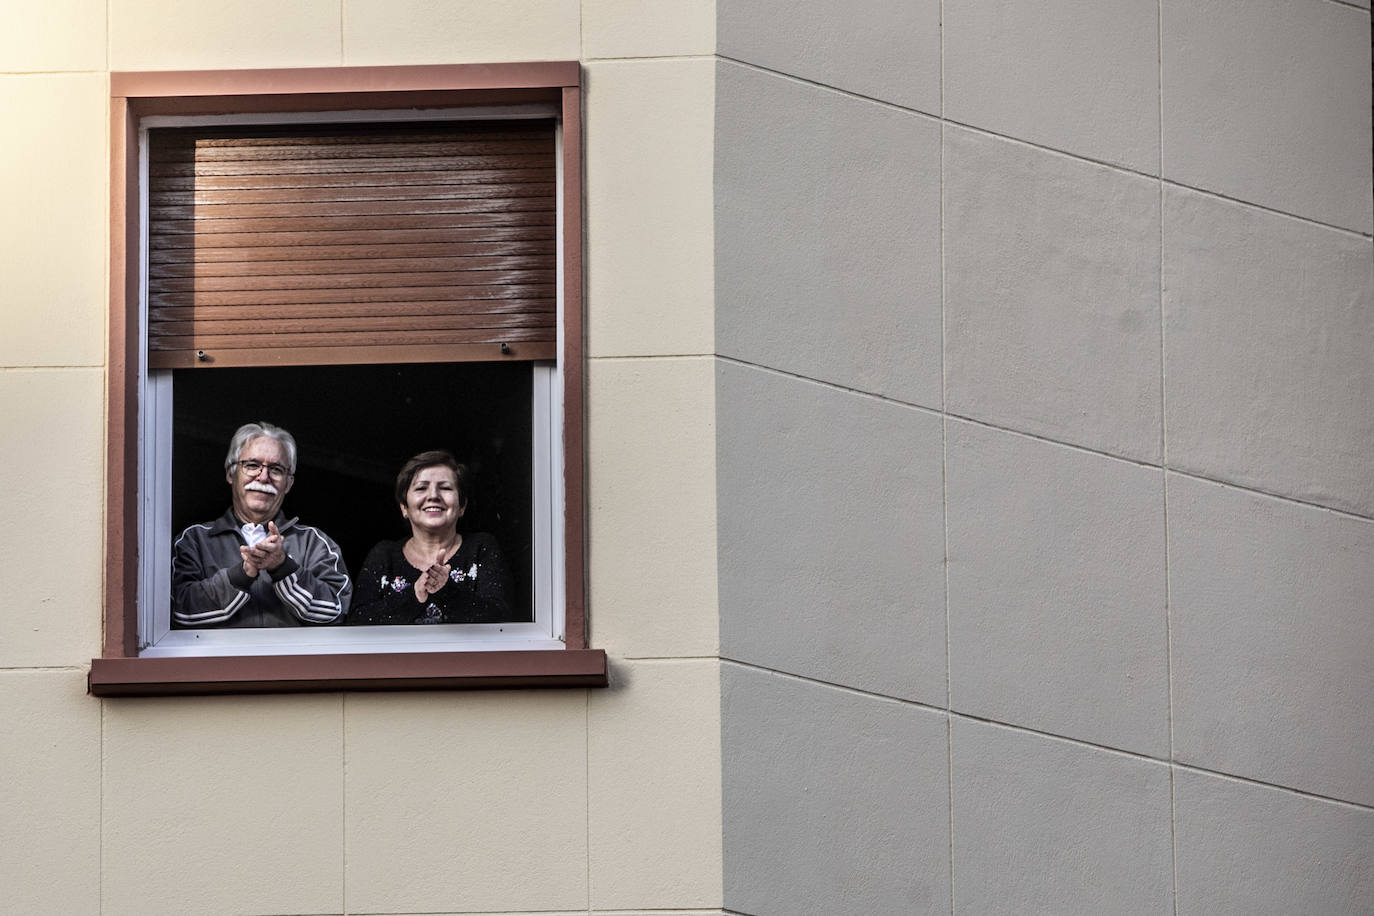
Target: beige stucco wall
(542, 801)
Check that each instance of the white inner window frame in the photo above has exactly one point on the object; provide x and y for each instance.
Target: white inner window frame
(156, 638)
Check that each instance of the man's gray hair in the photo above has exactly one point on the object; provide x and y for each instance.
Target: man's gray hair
(250, 431)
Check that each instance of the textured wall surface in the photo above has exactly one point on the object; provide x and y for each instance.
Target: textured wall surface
(553, 802)
(979, 482)
(1076, 301)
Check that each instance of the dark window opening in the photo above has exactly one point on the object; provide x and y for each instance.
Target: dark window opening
(354, 428)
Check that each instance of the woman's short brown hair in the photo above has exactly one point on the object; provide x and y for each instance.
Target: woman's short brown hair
(432, 459)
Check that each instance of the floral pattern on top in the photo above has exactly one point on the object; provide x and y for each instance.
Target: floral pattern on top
(457, 575)
(476, 590)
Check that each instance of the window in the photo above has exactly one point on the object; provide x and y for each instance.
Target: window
(453, 284)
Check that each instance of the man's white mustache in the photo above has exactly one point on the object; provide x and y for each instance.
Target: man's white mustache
(261, 487)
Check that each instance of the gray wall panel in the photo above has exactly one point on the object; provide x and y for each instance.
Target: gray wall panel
(827, 235)
(835, 802)
(877, 48)
(1063, 634)
(1269, 101)
(1077, 75)
(830, 533)
(1024, 259)
(1268, 331)
(1248, 850)
(1273, 637)
(1046, 826)
(1052, 295)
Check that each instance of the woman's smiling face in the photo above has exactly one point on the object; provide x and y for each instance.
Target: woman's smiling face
(433, 503)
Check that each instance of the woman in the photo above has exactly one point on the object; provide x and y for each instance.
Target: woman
(436, 575)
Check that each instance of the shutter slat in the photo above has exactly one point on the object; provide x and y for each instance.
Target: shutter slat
(416, 337)
(342, 166)
(304, 239)
(287, 240)
(380, 296)
(353, 223)
(276, 326)
(495, 204)
(310, 151)
(197, 259)
(353, 180)
(376, 133)
(332, 282)
(485, 189)
(339, 266)
(355, 309)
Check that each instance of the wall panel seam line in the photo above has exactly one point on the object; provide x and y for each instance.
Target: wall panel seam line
(53, 72)
(1191, 475)
(826, 87)
(833, 386)
(1050, 736)
(1164, 461)
(845, 688)
(1272, 211)
(944, 470)
(1056, 151)
(944, 431)
(934, 412)
(1065, 739)
(650, 59)
(1290, 500)
(634, 357)
(1168, 182)
(985, 424)
(1288, 790)
(1172, 765)
(944, 118)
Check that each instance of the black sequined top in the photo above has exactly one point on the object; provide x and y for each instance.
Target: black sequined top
(476, 591)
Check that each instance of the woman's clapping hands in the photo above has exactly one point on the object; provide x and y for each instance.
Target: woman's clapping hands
(433, 578)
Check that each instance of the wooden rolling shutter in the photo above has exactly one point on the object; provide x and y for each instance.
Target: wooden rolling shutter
(350, 244)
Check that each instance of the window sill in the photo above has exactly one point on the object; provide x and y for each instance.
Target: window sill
(142, 677)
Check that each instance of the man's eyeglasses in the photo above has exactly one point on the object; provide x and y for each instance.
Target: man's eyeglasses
(251, 468)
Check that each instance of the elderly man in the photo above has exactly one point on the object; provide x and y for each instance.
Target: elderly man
(252, 567)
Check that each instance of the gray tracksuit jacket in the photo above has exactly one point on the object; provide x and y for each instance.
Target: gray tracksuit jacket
(210, 588)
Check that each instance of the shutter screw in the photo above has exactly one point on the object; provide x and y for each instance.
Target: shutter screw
(202, 356)
(505, 349)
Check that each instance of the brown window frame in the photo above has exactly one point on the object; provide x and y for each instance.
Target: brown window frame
(120, 671)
